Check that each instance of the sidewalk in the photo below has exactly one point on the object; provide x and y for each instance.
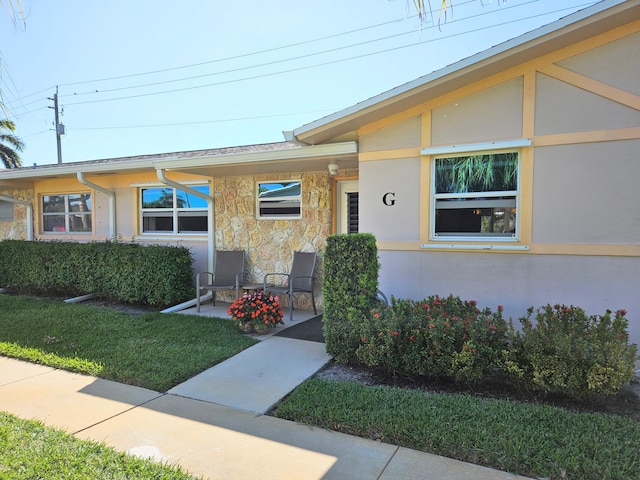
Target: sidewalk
(213, 425)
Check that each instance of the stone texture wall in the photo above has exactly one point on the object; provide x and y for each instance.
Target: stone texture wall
(269, 244)
(16, 229)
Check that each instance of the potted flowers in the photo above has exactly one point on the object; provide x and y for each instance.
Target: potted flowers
(256, 311)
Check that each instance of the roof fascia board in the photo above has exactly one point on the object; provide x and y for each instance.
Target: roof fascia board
(476, 61)
(59, 170)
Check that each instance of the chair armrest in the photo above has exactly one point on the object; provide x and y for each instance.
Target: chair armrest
(199, 276)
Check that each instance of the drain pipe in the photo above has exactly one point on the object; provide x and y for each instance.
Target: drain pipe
(29, 213)
(112, 203)
(210, 215)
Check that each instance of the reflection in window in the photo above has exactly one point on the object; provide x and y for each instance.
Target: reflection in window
(476, 196)
(171, 211)
(279, 199)
(66, 213)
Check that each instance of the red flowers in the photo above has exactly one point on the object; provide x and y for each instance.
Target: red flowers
(258, 307)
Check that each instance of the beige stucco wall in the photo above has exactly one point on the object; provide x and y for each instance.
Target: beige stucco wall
(403, 134)
(493, 114)
(564, 108)
(586, 194)
(611, 63)
(269, 244)
(16, 229)
(517, 282)
(399, 179)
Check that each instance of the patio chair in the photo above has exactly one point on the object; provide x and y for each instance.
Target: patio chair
(298, 280)
(228, 273)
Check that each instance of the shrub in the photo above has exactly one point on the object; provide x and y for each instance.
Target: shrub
(126, 272)
(568, 352)
(435, 337)
(349, 291)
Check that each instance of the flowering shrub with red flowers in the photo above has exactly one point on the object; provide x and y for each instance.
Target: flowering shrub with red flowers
(435, 337)
(257, 308)
(566, 351)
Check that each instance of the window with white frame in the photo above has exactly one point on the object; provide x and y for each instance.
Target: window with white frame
(475, 196)
(167, 210)
(67, 213)
(279, 200)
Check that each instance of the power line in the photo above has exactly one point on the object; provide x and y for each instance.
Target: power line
(290, 59)
(203, 122)
(331, 62)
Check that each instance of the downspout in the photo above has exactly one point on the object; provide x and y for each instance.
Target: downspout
(210, 215)
(112, 203)
(29, 213)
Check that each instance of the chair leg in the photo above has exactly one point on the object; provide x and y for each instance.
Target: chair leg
(313, 302)
(290, 306)
(198, 301)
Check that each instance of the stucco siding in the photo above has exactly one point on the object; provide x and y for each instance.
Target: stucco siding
(399, 180)
(517, 281)
(404, 134)
(562, 108)
(493, 114)
(587, 194)
(617, 63)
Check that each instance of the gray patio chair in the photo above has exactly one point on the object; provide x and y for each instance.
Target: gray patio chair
(228, 273)
(298, 280)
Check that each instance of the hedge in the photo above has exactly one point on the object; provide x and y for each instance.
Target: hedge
(125, 272)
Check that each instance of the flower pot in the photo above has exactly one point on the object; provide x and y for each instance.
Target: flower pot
(245, 327)
(261, 329)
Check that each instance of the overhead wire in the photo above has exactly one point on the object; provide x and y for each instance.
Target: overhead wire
(305, 67)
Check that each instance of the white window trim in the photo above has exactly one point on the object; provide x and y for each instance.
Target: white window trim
(174, 212)
(445, 241)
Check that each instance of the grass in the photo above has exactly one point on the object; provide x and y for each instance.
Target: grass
(527, 439)
(28, 449)
(155, 351)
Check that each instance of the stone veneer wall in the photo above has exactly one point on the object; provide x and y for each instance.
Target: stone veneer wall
(16, 229)
(269, 244)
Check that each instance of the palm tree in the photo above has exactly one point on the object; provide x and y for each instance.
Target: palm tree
(10, 145)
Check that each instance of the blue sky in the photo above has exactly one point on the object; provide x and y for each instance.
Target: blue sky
(142, 77)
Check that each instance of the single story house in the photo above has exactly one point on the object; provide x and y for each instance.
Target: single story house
(509, 177)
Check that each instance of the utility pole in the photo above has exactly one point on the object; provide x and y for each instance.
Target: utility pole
(59, 126)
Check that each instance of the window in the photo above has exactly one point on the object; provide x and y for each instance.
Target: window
(475, 196)
(167, 210)
(6, 211)
(69, 213)
(279, 199)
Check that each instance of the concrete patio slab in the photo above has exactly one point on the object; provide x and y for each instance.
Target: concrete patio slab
(258, 377)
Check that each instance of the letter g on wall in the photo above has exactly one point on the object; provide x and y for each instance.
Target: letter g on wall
(389, 199)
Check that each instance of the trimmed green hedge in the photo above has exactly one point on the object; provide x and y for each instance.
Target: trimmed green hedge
(349, 291)
(147, 275)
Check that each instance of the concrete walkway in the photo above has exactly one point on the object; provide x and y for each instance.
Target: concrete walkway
(213, 426)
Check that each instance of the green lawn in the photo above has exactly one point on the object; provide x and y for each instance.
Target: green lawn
(29, 450)
(154, 350)
(538, 441)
